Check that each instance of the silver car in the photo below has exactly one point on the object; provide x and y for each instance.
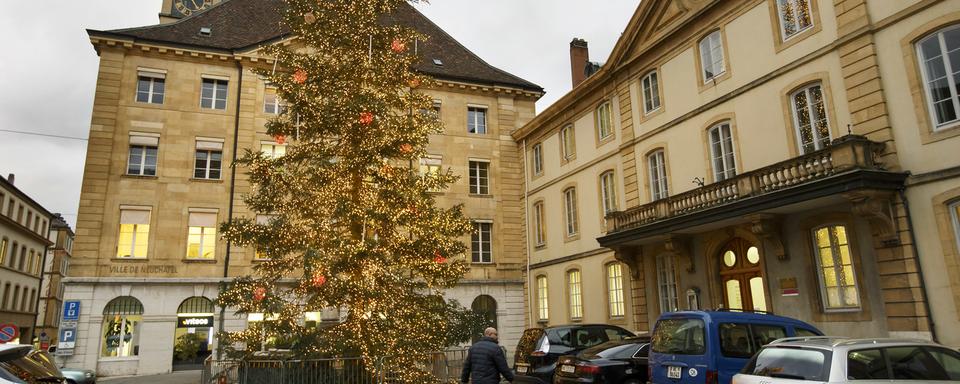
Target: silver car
(841, 360)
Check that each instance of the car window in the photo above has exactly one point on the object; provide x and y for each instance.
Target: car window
(614, 334)
(588, 337)
(735, 340)
(614, 351)
(529, 342)
(679, 336)
(765, 334)
(562, 336)
(913, 363)
(643, 352)
(867, 364)
(803, 332)
(948, 359)
(790, 363)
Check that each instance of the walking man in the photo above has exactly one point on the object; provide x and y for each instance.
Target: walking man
(485, 361)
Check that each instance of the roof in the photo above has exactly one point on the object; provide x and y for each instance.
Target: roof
(6, 184)
(829, 342)
(732, 316)
(243, 25)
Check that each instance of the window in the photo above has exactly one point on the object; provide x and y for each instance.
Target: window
(3, 250)
(6, 297)
(721, 152)
(272, 150)
(22, 262)
(13, 256)
(604, 122)
(538, 224)
(19, 212)
(202, 235)
(538, 159)
(615, 289)
(263, 254)
(794, 17)
(437, 106)
(658, 175)
(940, 65)
(431, 166)
(570, 211)
(948, 359)
(213, 94)
(543, 302)
(954, 213)
(134, 233)
(208, 160)
(914, 363)
(838, 283)
(29, 219)
(667, 283)
(711, 56)
(679, 336)
(477, 120)
(651, 92)
(142, 160)
(122, 318)
(800, 364)
(10, 208)
(810, 119)
(479, 177)
(576, 297)
(36, 264)
(608, 192)
(150, 86)
(272, 104)
(481, 242)
(735, 340)
(568, 143)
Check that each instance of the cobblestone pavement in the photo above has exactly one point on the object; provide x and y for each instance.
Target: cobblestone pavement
(182, 377)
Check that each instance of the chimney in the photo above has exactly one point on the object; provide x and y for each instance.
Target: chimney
(579, 58)
(10, 178)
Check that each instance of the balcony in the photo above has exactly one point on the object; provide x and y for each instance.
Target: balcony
(850, 163)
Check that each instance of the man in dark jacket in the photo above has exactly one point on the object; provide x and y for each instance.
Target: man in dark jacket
(485, 361)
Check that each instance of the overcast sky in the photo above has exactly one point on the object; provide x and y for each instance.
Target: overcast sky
(48, 68)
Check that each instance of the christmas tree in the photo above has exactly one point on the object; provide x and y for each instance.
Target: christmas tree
(352, 224)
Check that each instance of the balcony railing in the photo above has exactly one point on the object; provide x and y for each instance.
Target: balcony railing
(844, 154)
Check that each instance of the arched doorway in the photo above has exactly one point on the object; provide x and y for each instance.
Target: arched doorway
(194, 334)
(741, 275)
(486, 307)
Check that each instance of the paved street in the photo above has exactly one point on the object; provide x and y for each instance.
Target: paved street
(183, 377)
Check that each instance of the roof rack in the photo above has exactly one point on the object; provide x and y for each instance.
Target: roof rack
(722, 309)
(806, 338)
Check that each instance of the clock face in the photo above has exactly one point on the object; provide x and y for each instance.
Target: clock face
(188, 7)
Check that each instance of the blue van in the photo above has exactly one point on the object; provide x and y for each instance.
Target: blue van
(710, 347)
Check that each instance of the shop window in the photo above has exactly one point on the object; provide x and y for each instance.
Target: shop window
(838, 283)
(122, 320)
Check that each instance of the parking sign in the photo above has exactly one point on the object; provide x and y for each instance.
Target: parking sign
(71, 310)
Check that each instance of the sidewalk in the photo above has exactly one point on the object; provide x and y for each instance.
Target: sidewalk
(182, 377)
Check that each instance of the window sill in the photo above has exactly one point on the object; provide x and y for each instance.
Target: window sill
(199, 261)
(210, 181)
(129, 259)
(143, 177)
(482, 196)
(482, 263)
(713, 81)
(568, 159)
(842, 310)
(148, 104)
(540, 247)
(570, 238)
(604, 141)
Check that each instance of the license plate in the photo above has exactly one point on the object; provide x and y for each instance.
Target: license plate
(674, 372)
(567, 368)
(521, 369)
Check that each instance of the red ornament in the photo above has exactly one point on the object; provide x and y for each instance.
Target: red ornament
(398, 46)
(318, 280)
(300, 76)
(366, 118)
(280, 139)
(414, 82)
(438, 258)
(309, 18)
(259, 293)
(406, 148)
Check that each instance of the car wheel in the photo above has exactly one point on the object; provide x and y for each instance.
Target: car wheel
(71, 381)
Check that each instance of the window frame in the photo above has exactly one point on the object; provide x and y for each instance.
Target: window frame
(835, 253)
(543, 298)
(209, 160)
(951, 81)
(712, 49)
(657, 174)
(273, 149)
(537, 159)
(651, 92)
(574, 296)
(608, 192)
(603, 123)
(539, 224)
(216, 82)
(954, 209)
(667, 280)
(616, 296)
(136, 320)
(568, 143)
(202, 235)
(817, 142)
(725, 157)
(477, 237)
(144, 149)
(480, 125)
(482, 186)
(570, 213)
(784, 37)
(277, 106)
(151, 91)
(134, 233)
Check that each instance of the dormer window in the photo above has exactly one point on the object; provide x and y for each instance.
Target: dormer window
(206, 32)
(438, 62)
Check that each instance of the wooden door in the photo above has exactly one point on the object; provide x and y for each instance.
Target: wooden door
(741, 275)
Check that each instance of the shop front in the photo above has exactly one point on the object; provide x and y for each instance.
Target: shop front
(194, 334)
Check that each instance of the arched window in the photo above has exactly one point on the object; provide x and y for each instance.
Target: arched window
(604, 121)
(838, 281)
(539, 232)
(574, 288)
(570, 211)
(122, 319)
(940, 67)
(568, 144)
(196, 305)
(711, 56)
(657, 167)
(795, 17)
(608, 192)
(810, 118)
(721, 152)
(651, 92)
(485, 306)
(543, 300)
(615, 289)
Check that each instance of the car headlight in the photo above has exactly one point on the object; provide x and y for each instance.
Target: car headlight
(88, 374)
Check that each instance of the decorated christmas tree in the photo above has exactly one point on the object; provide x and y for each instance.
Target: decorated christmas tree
(351, 223)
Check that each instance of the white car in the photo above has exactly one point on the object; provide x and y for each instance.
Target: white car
(841, 360)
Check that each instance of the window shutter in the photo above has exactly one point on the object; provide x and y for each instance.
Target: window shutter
(134, 216)
(203, 219)
(150, 141)
(207, 145)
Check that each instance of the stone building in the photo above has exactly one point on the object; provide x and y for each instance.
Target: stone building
(174, 104)
(790, 156)
(55, 268)
(23, 243)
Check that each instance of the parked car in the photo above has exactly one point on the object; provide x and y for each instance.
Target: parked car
(21, 364)
(622, 361)
(710, 347)
(841, 360)
(79, 376)
(539, 348)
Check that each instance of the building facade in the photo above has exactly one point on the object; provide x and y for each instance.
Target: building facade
(56, 265)
(788, 156)
(23, 243)
(174, 104)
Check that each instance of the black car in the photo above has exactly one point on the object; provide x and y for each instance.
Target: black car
(539, 348)
(620, 362)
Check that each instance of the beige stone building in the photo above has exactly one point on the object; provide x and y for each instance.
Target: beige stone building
(23, 243)
(56, 265)
(791, 156)
(175, 102)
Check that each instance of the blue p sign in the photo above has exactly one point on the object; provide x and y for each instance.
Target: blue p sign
(71, 310)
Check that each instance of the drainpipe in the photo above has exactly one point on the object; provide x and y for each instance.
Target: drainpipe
(36, 304)
(233, 185)
(916, 253)
(526, 230)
